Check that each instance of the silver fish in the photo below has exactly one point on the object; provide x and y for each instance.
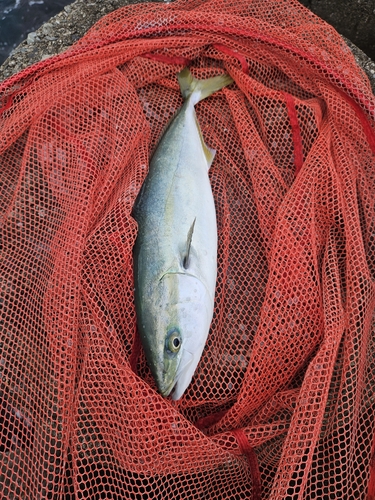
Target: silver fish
(175, 254)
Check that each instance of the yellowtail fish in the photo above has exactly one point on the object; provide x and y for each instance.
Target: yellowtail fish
(175, 254)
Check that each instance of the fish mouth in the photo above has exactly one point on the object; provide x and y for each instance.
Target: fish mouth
(167, 379)
(165, 390)
(184, 374)
(176, 387)
(168, 387)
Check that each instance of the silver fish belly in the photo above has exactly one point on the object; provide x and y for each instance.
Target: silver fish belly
(175, 255)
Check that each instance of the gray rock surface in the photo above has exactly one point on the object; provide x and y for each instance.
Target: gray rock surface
(59, 33)
(73, 22)
(355, 19)
(367, 64)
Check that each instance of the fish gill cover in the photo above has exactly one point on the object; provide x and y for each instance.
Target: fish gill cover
(281, 405)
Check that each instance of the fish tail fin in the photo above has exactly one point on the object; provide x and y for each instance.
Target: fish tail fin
(200, 89)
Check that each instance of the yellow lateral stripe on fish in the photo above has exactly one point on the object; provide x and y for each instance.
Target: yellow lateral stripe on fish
(175, 254)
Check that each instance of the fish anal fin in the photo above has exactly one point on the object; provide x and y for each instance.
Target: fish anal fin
(185, 261)
(209, 153)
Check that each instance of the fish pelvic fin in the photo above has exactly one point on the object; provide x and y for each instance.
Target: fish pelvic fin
(185, 261)
(200, 89)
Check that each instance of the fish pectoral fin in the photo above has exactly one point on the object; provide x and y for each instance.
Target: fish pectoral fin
(185, 260)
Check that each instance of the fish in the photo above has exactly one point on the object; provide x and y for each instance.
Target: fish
(175, 252)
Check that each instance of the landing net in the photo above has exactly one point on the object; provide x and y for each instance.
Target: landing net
(282, 403)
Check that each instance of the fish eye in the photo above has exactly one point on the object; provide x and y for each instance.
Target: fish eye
(173, 341)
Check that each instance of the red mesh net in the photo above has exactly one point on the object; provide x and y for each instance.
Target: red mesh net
(282, 403)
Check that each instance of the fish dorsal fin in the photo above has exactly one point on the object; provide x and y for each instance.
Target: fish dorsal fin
(186, 258)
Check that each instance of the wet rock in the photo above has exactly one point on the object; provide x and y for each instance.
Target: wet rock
(47, 29)
(32, 37)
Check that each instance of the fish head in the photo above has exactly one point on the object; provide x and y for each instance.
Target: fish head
(179, 321)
